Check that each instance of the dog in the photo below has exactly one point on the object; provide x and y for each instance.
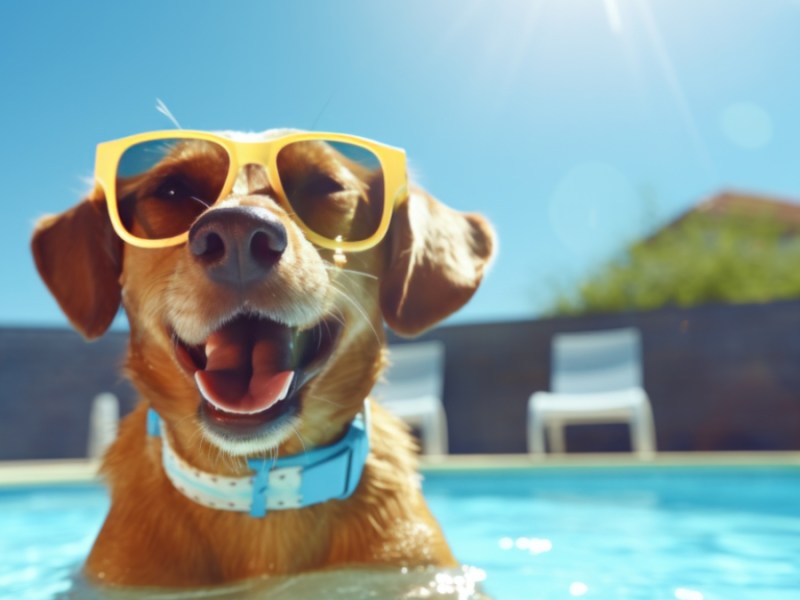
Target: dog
(253, 349)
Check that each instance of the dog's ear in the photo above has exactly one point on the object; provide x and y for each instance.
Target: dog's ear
(79, 258)
(438, 257)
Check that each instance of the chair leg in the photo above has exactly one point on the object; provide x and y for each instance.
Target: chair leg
(643, 431)
(444, 445)
(428, 435)
(649, 428)
(555, 433)
(103, 424)
(433, 431)
(535, 433)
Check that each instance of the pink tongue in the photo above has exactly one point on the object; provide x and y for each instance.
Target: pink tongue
(247, 367)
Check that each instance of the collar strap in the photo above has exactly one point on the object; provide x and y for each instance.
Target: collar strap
(296, 481)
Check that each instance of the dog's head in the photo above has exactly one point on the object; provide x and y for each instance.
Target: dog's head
(248, 332)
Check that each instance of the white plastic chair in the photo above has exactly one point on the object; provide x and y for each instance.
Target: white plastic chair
(596, 377)
(412, 389)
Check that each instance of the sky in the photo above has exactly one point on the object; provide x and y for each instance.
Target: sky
(574, 126)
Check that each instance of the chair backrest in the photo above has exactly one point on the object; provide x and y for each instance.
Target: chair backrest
(415, 370)
(597, 361)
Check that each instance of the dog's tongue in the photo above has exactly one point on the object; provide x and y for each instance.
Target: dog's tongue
(248, 366)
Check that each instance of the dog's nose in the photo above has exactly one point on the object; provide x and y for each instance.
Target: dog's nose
(237, 245)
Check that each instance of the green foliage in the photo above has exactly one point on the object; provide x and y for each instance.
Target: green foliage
(733, 258)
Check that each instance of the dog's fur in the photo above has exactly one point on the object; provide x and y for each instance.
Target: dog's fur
(429, 265)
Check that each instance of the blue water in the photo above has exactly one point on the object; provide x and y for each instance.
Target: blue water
(679, 534)
(639, 533)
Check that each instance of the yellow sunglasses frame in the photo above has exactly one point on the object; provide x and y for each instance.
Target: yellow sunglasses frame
(392, 161)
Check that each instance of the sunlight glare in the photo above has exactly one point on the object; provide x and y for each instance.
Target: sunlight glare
(613, 14)
(675, 87)
(688, 594)
(578, 588)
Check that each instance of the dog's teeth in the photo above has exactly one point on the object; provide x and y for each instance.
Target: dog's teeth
(203, 391)
(286, 387)
(211, 346)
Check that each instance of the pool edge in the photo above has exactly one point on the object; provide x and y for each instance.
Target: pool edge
(43, 472)
(616, 460)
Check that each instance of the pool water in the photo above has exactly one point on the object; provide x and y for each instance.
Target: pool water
(612, 533)
(649, 533)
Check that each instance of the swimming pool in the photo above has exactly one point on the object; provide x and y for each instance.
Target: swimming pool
(679, 533)
(669, 532)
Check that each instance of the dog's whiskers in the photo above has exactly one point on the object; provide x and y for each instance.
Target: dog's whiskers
(299, 437)
(358, 308)
(217, 455)
(273, 454)
(338, 315)
(162, 108)
(343, 271)
(314, 398)
(199, 200)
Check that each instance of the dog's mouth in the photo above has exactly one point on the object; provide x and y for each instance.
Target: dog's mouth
(251, 370)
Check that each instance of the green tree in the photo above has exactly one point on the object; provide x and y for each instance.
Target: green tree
(701, 259)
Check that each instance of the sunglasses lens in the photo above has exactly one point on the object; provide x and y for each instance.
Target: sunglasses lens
(336, 189)
(163, 185)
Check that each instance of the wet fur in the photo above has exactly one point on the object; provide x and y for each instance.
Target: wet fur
(429, 265)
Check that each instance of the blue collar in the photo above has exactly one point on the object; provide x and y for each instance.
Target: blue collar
(318, 475)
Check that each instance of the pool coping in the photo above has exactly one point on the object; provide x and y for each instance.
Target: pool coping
(46, 472)
(511, 462)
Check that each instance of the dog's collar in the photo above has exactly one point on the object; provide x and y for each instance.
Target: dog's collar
(318, 475)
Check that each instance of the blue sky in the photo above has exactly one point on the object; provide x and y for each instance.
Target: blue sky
(574, 125)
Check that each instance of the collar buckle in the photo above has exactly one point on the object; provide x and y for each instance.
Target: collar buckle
(321, 474)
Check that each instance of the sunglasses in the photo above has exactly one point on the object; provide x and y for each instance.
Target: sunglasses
(340, 189)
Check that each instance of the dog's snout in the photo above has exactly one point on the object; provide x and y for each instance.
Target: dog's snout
(237, 245)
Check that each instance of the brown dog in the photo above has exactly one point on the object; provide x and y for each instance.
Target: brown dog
(222, 321)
